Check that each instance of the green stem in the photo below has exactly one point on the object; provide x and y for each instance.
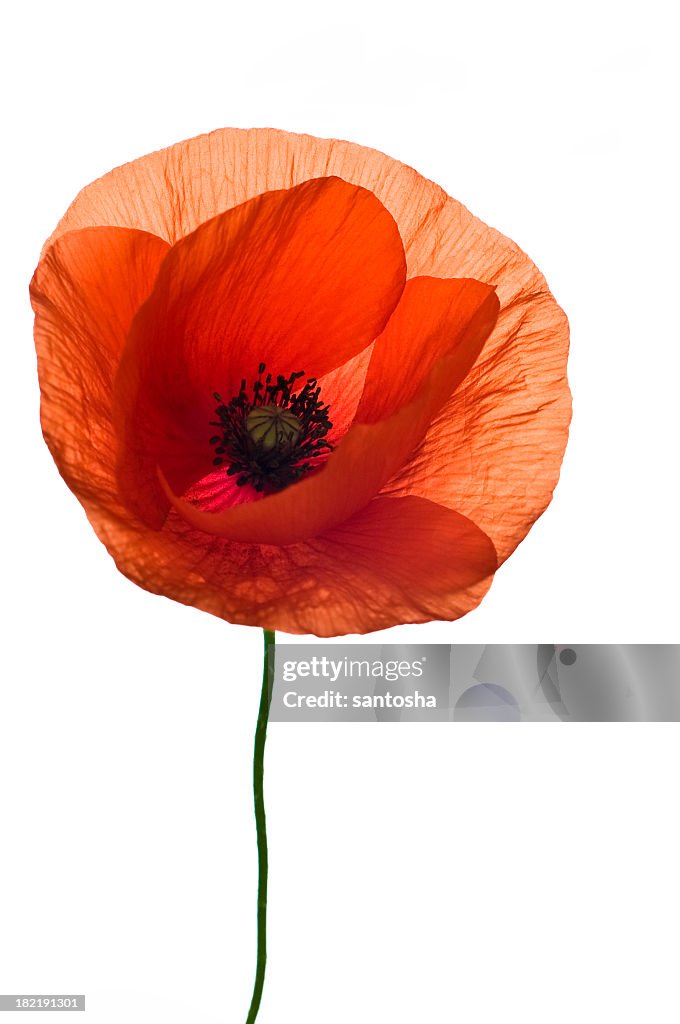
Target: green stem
(261, 824)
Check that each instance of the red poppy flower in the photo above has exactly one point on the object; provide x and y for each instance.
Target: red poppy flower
(295, 384)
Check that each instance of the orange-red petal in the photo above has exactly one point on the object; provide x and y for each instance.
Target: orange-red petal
(170, 192)
(395, 561)
(448, 322)
(494, 451)
(302, 279)
(85, 293)
(434, 319)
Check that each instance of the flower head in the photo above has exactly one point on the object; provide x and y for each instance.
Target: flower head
(296, 385)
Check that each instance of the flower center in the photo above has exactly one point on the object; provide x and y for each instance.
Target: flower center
(271, 426)
(274, 434)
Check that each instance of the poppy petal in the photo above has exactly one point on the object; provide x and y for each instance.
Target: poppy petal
(85, 292)
(170, 192)
(460, 316)
(299, 279)
(395, 561)
(495, 450)
(432, 320)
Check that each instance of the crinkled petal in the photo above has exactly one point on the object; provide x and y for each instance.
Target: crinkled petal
(495, 450)
(85, 292)
(300, 280)
(395, 561)
(172, 191)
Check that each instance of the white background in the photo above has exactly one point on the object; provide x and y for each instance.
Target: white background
(472, 874)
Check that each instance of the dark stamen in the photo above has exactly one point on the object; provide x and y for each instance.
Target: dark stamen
(278, 444)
